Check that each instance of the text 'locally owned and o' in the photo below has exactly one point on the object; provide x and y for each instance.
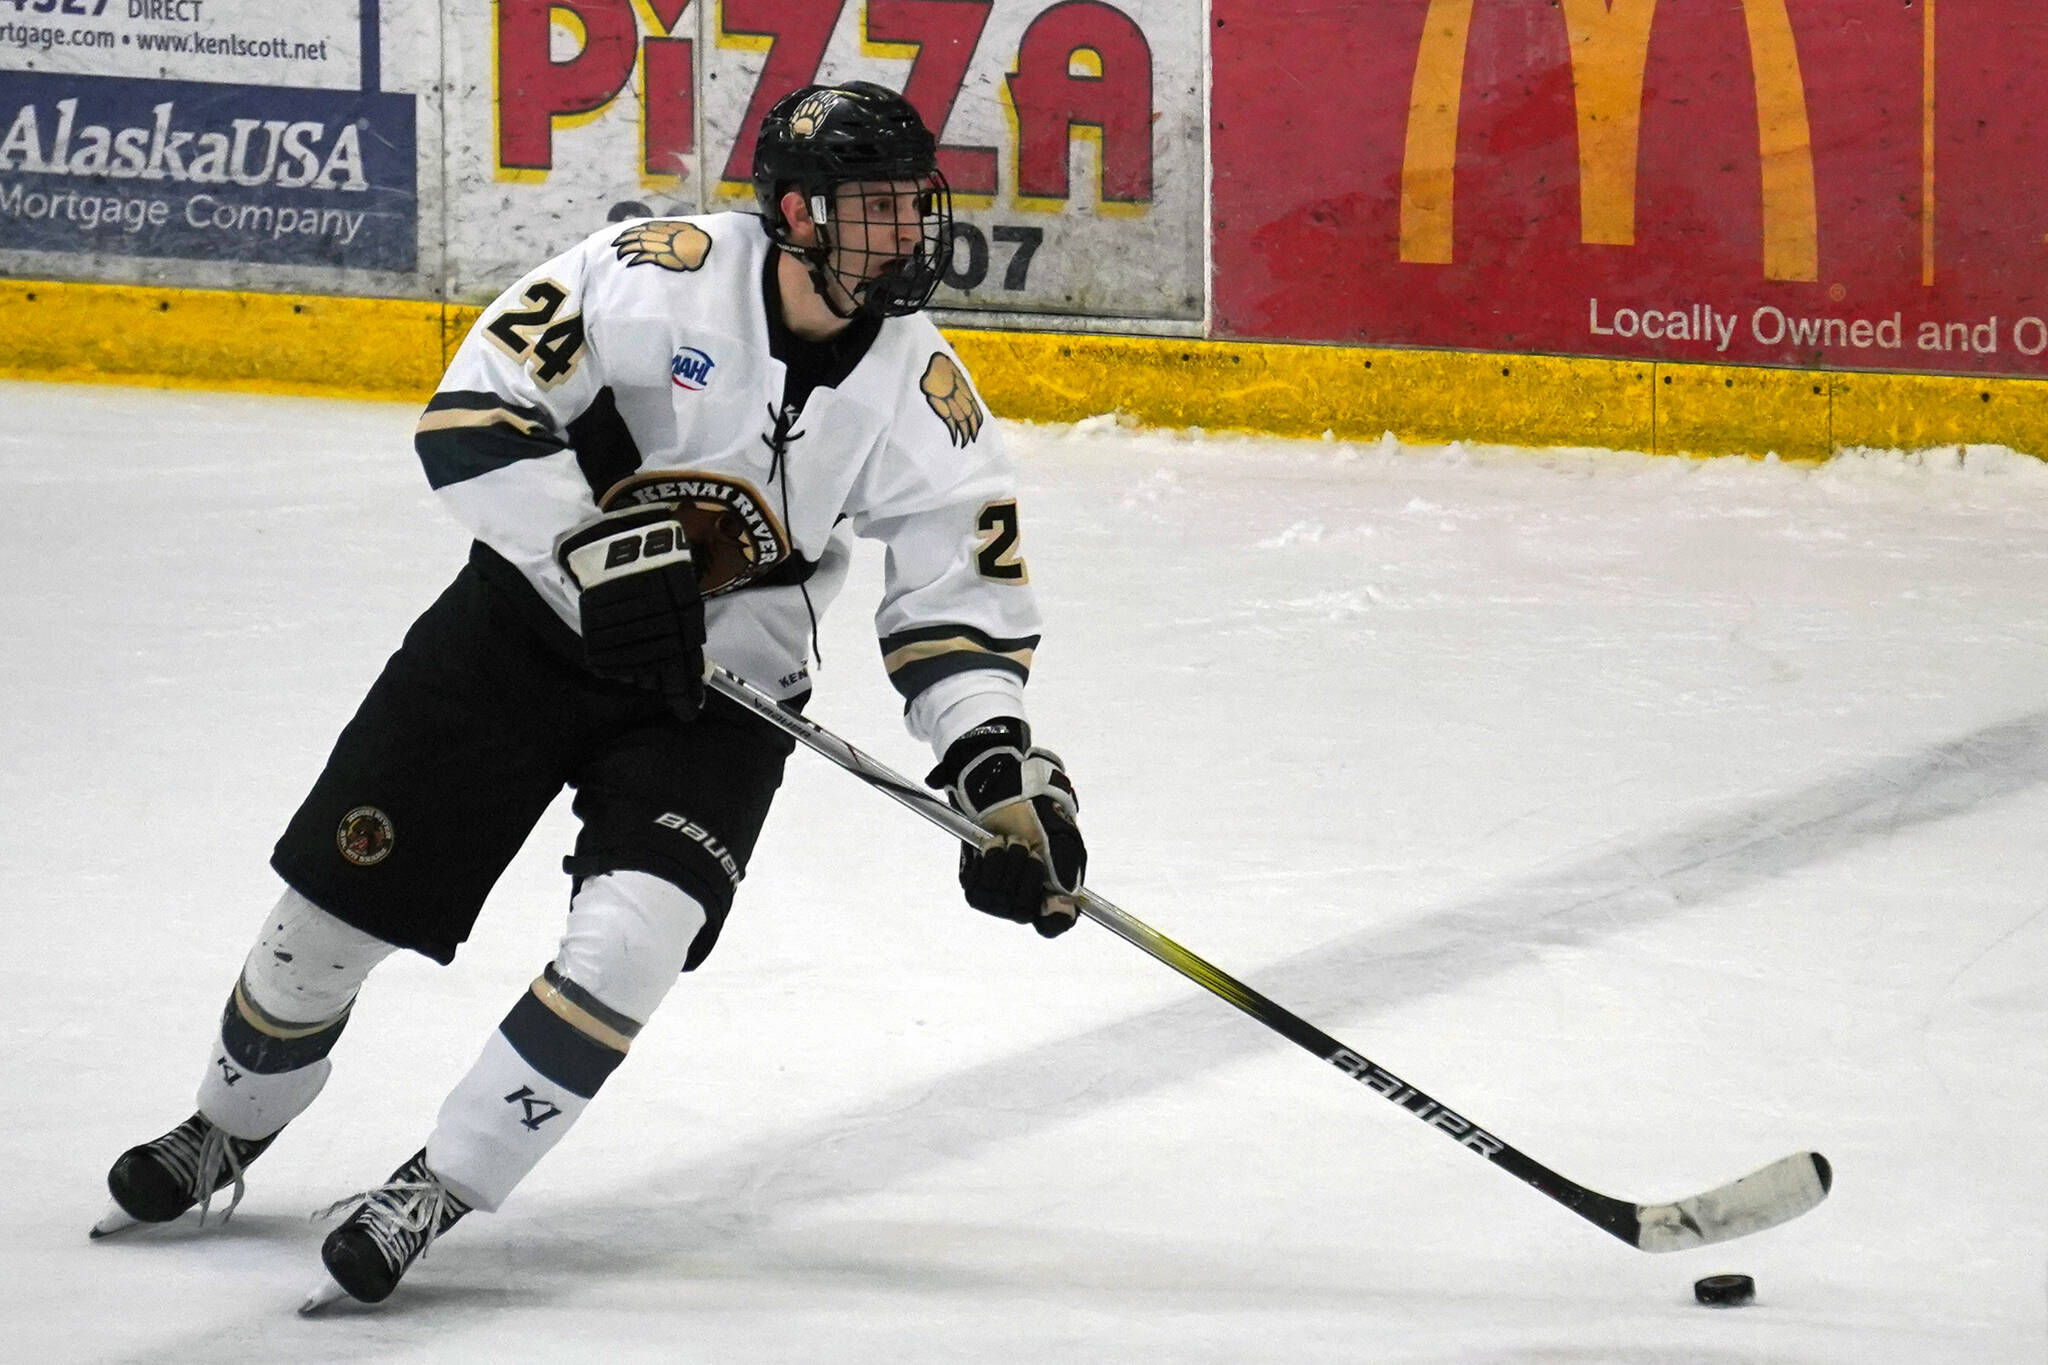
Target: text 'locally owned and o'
(1774, 328)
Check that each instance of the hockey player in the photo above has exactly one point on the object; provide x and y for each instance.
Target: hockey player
(661, 440)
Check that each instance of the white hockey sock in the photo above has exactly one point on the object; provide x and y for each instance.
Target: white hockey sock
(288, 1008)
(627, 930)
(497, 1124)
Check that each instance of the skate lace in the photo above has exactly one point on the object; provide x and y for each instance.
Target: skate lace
(402, 1217)
(197, 1153)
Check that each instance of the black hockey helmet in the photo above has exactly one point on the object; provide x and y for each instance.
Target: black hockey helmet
(823, 136)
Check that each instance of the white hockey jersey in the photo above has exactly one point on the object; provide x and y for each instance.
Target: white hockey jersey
(636, 367)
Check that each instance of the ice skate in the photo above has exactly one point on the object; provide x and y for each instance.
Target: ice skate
(390, 1228)
(157, 1181)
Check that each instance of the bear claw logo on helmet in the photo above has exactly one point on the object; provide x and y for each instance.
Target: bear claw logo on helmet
(805, 118)
(822, 137)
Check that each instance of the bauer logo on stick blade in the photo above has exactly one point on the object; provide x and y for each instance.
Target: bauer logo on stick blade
(1725, 1291)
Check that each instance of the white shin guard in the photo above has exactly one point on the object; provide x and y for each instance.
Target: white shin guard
(626, 940)
(306, 964)
(628, 935)
(269, 1057)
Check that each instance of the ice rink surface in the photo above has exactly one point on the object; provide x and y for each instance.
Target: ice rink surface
(1664, 817)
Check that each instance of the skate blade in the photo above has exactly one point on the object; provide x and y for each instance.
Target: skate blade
(323, 1294)
(116, 1219)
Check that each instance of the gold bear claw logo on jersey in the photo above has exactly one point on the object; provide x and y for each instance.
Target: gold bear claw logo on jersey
(945, 388)
(666, 243)
(807, 116)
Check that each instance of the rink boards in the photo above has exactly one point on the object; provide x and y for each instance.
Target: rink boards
(395, 349)
(1726, 228)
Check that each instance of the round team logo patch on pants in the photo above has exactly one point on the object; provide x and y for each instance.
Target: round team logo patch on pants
(365, 836)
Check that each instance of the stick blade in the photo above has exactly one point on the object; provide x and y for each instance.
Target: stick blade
(1762, 1199)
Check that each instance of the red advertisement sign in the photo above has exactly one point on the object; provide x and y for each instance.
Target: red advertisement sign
(1070, 130)
(1834, 183)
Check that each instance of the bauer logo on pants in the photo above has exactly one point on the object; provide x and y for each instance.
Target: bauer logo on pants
(365, 836)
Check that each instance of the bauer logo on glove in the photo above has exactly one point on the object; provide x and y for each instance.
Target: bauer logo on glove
(641, 613)
(1024, 797)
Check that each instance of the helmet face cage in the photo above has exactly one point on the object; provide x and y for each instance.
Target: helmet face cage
(864, 232)
(867, 169)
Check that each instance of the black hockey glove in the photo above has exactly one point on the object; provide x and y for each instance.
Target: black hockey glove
(994, 775)
(643, 621)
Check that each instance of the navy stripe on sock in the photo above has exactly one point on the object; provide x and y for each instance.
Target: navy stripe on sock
(266, 1054)
(557, 1049)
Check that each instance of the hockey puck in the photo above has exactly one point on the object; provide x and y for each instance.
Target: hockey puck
(1724, 1291)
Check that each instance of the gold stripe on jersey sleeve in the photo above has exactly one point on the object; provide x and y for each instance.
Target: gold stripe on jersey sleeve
(447, 419)
(919, 651)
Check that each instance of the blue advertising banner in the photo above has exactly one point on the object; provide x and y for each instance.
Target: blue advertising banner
(103, 165)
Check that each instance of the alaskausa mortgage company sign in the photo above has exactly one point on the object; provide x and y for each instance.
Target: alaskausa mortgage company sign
(102, 165)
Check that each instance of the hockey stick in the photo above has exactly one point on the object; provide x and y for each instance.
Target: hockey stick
(1765, 1198)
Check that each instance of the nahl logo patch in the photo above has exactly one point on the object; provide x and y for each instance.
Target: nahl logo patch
(365, 836)
(690, 368)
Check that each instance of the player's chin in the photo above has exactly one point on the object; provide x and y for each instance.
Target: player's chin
(861, 276)
(885, 280)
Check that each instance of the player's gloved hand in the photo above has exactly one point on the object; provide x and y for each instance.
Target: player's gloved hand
(1020, 793)
(643, 620)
